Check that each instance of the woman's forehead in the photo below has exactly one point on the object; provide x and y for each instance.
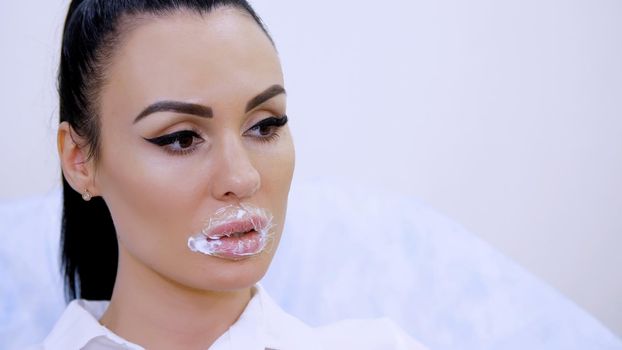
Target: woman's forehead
(186, 56)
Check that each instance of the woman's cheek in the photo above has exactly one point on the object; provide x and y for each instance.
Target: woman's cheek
(140, 195)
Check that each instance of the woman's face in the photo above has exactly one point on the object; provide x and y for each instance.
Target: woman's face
(165, 173)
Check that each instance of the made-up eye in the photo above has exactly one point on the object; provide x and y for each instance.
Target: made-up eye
(267, 129)
(180, 142)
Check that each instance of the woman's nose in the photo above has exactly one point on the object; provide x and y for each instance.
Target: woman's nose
(236, 178)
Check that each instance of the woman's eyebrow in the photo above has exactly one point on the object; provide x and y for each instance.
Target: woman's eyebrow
(205, 111)
(176, 106)
(264, 96)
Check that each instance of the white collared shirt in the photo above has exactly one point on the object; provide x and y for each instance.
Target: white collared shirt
(263, 325)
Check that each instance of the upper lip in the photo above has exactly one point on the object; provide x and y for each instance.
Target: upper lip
(247, 224)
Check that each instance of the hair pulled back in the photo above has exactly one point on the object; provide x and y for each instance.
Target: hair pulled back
(91, 32)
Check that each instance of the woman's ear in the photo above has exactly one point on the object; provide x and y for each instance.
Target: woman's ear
(76, 166)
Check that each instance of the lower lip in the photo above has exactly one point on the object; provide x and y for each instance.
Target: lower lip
(237, 248)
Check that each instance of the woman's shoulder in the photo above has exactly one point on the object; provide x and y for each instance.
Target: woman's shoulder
(78, 328)
(372, 334)
(289, 332)
(361, 334)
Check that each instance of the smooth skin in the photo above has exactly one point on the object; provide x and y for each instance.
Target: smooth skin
(165, 296)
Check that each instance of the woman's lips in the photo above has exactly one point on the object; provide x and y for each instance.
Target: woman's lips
(234, 232)
(235, 227)
(239, 246)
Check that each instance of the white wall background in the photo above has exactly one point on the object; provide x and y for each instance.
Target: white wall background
(505, 115)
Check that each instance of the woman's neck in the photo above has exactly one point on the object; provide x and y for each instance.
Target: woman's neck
(154, 312)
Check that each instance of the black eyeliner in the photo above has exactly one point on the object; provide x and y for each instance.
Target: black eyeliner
(170, 138)
(272, 121)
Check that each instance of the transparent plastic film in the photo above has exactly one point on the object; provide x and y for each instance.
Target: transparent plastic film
(235, 232)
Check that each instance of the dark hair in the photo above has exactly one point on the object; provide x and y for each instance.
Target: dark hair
(92, 30)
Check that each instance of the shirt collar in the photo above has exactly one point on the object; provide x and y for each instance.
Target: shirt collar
(79, 325)
(261, 326)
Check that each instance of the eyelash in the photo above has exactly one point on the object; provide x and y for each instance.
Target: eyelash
(166, 141)
(170, 140)
(273, 124)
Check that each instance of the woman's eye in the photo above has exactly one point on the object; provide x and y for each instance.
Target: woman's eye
(181, 142)
(267, 129)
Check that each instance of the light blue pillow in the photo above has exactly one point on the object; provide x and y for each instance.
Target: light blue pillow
(349, 251)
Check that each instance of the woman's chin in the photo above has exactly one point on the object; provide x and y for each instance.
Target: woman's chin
(223, 274)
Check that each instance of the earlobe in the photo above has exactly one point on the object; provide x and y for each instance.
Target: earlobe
(77, 168)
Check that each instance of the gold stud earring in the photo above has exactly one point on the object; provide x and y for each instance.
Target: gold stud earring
(86, 195)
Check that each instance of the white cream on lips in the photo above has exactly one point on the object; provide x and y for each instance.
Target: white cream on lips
(234, 232)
